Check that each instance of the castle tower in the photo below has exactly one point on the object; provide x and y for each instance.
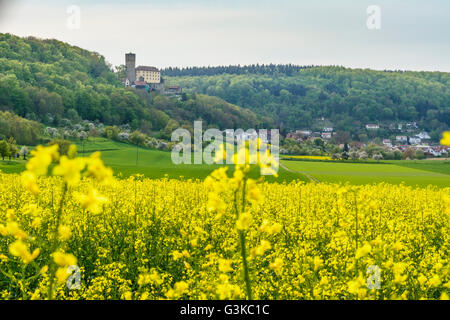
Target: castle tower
(130, 63)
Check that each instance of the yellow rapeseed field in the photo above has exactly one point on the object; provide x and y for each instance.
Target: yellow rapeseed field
(309, 157)
(75, 232)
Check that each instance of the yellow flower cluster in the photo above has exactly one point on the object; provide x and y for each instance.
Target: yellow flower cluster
(20, 249)
(69, 167)
(55, 235)
(63, 260)
(446, 139)
(175, 239)
(309, 157)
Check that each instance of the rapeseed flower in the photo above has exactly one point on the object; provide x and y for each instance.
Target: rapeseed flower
(20, 249)
(64, 259)
(446, 139)
(70, 169)
(64, 232)
(304, 240)
(244, 222)
(225, 265)
(92, 201)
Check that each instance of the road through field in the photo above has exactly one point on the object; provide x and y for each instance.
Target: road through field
(310, 177)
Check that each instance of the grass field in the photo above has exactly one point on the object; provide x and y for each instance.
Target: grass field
(433, 166)
(411, 173)
(151, 163)
(12, 166)
(158, 164)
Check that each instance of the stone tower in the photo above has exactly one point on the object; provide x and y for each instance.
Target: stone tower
(130, 63)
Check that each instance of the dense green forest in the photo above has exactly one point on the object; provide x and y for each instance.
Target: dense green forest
(350, 98)
(48, 80)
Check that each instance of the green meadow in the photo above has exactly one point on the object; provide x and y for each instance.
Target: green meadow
(420, 173)
(127, 160)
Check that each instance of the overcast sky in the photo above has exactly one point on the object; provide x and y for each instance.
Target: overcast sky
(414, 35)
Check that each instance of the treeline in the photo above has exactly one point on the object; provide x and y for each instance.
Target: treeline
(22, 130)
(270, 69)
(50, 81)
(348, 98)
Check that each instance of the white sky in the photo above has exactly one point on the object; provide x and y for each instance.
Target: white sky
(414, 35)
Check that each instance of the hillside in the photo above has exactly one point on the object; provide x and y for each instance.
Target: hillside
(49, 80)
(296, 96)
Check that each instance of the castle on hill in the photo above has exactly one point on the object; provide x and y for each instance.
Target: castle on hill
(145, 77)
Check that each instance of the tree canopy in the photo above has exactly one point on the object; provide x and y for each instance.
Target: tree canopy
(294, 97)
(48, 80)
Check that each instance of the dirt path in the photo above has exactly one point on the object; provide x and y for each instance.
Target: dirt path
(310, 177)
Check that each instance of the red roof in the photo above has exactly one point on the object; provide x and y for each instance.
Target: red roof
(140, 83)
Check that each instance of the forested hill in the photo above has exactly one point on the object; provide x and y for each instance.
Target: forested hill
(49, 80)
(295, 96)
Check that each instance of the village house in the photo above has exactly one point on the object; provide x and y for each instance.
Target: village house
(441, 150)
(411, 125)
(290, 135)
(436, 151)
(326, 135)
(174, 90)
(372, 126)
(401, 138)
(299, 135)
(387, 142)
(403, 147)
(415, 140)
(306, 133)
(424, 135)
(140, 84)
(392, 127)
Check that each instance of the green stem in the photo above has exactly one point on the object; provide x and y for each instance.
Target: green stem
(356, 232)
(22, 284)
(356, 221)
(242, 240)
(244, 261)
(55, 243)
